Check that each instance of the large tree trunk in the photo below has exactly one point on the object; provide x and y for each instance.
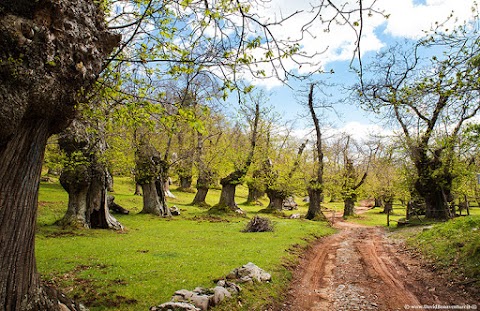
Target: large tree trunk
(436, 206)
(200, 197)
(433, 184)
(21, 162)
(20, 167)
(76, 184)
(152, 202)
(314, 205)
(186, 182)
(85, 178)
(51, 53)
(100, 216)
(349, 206)
(150, 175)
(276, 199)
(227, 197)
(203, 185)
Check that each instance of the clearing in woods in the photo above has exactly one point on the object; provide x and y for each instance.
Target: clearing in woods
(360, 268)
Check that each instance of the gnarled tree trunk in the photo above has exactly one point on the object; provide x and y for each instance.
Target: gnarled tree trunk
(276, 199)
(20, 168)
(153, 203)
(85, 178)
(227, 195)
(230, 182)
(149, 170)
(314, 208)
(203, 185)
(51, 53)
(434, 183)
(349, 205)
(76, 182)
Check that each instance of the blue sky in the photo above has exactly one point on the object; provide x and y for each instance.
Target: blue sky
(407, 20)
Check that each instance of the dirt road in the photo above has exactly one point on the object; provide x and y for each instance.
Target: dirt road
(359, 268)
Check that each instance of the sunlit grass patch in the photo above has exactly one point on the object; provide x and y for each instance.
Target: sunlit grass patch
(454, 245)
(153, 257)
(375, 217)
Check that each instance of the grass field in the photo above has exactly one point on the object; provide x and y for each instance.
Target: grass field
(153, 257)
(149, 260)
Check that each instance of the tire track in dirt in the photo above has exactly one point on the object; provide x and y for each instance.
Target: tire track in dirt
(359, 268)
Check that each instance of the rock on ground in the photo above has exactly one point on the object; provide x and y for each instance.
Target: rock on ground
(249, 273)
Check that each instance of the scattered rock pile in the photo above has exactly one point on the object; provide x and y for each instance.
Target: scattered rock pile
(249, 273)
(201, 299)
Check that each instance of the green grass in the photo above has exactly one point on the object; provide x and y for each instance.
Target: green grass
(453, 245)
(375, 217)
(153, 257)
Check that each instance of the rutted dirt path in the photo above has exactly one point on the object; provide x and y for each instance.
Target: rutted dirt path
(360, 268)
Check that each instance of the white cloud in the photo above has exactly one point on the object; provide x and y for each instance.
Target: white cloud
(406, 20)
(411, 20)
(362, 132)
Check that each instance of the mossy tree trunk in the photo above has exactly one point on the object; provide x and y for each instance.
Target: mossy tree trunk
(203, 185)
(434, 182)
(227, 195)
(205, 174)
(276, 198)
(350, 187)
(230, 182)
(314, 208)
(387, 204)
(52, 53)
(150, 176)
(85, 178)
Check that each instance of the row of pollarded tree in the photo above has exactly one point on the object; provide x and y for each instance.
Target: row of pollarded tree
(84, 175)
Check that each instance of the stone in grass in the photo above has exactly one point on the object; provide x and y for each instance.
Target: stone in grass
(249, 273)
(175, 306)
(199, 298)
(219, 294)
(233, 288)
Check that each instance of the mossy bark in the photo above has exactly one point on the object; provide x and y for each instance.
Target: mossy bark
(52, 53)
(85, 178)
